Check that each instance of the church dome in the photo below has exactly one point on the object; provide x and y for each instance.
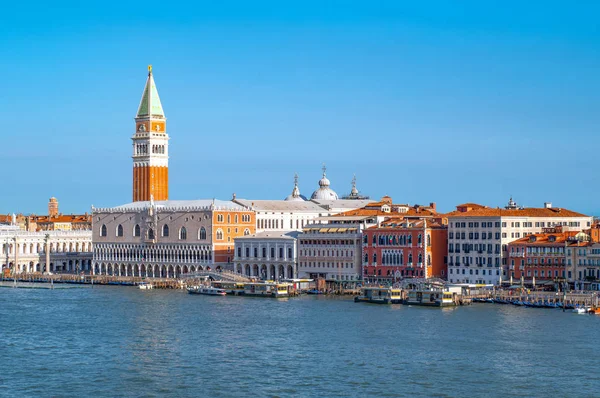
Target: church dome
(324, 192)
(295, 195)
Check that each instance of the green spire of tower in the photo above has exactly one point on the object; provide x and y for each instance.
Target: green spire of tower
(150, 104)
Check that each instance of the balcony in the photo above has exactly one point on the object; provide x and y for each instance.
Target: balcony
(516, 254)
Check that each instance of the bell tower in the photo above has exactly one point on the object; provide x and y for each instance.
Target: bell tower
(150, 147)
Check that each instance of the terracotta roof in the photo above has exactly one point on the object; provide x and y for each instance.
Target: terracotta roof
(73, 218)
(422, 212)
(476, 205)
(525, 212)
(396, 223)
(543, 239)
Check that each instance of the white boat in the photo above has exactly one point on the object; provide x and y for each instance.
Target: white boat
(581, 310)
(267, 289)
(206, 290)
(145, 286)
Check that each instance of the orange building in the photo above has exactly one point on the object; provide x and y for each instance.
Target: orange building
(406, 247)
(150, 147)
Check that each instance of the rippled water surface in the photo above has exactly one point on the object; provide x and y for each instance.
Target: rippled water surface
(122, 341)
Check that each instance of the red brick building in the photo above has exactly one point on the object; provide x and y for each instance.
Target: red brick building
(405, 247)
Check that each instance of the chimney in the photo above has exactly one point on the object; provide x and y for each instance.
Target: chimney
(52, 207)
(432, 205)
(547, 205)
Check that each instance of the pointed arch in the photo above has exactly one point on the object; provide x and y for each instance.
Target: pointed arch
(119, 230)
(165, 230)
(183, 233)
(202, 233)
(103, 230)
(137, 230)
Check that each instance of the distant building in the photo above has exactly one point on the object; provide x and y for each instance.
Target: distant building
(168, 238)
(478, 237)
(544, 255)
(150, 147)
(409, 246)
(331, 248)
(267, 255)
(43, 251)
(282, 215)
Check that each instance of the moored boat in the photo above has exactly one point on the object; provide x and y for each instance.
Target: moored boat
(145, 286)
(206, 290)
(267, 289)
(379, 295)
(431, 298)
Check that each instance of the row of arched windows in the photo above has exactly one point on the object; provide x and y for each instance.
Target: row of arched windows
(158, 149)
(183, 235)
(395, 258)
(395, 240)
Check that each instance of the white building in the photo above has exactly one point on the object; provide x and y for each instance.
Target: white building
(295, 212)
(282, 215)
(478, 237)
(267, 255)
(331, 248)
(168, 238)
(63, 251)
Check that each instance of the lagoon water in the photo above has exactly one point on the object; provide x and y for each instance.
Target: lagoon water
(122, 341)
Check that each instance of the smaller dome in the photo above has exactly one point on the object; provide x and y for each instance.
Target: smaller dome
(295, 195)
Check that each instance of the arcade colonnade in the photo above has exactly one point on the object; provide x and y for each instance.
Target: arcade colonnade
(267, 271)
(164, 261)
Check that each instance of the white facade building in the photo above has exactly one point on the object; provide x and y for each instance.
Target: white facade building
(267, 255)
(478, 237)
(168, 238)
(63, 251)
(331, 249)
(282, 215)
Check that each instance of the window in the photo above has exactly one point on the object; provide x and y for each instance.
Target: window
(246, 232)
(289, 253)
(103, 230)
(165, 230)
(151, 234)
(239, 252)
(120, 230)
(136, 230)
(220, 218)
(202, 233)
(183, 233)
(219, 234)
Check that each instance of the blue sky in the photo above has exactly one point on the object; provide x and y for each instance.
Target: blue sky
(445, 101)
